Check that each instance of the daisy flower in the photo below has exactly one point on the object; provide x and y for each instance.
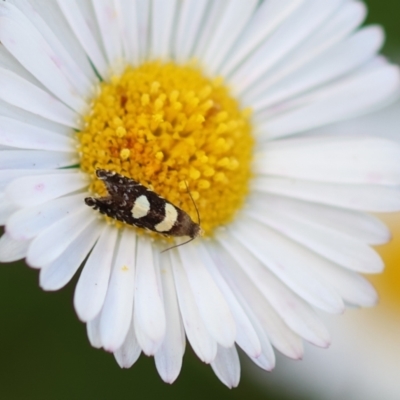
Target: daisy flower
(222, 102)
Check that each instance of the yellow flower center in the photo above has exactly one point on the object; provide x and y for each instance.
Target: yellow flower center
(166, 125)
(388, 283)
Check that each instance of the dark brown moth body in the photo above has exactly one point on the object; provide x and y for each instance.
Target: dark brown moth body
(132, 203)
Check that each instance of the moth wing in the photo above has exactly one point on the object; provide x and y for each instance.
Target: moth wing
(117, 184)
(141, 207)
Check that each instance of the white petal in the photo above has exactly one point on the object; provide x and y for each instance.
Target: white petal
(358, 225)
(208, 26)
(54, 19)
(29, 222)
(129, 29)
(363, 160)
(350, 286)
(201, 341)
(118, 306)
(8, 175)
(341, 249)
(163, 14)
(356, 95)
(149, 314)
(53, 241)
(21, 93)
(353, 288)
(12, 250)
(109, 23)
(7, 61)
(212, 306)
(266, 360)
(246, 336)
(7, 208)
(268, 324)
(17, 134)
(269, 15)
(333, 33)
(49, 22)
(35, 159)
(168, 358)
(33, 190)
(143, 21)
(92, 286)
(368, 125)
(227, 366)
(341, 24)
(189, 23)
(93, 332)
(57, 274)
(84, 33)
(343, 58)
(29, 47)
(235, 17)
(14, 112)
(282, 257)
(301, 23)
(130, 351)
(354, 197)
(296, 313)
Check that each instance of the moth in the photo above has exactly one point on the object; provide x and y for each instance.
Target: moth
(130, 202)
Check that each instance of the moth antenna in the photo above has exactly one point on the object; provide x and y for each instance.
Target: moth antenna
(178, 245)
(194, 203)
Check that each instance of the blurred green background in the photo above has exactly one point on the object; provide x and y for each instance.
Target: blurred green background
(386, 13)
(44, 351)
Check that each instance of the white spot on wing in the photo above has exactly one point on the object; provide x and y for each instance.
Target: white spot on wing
(141, 207)
(171, 216)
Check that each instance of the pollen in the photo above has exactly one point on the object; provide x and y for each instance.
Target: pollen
(124, 154)
(172, 129)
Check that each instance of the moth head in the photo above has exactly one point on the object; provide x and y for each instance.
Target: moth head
(104, 174)
(90, 201)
